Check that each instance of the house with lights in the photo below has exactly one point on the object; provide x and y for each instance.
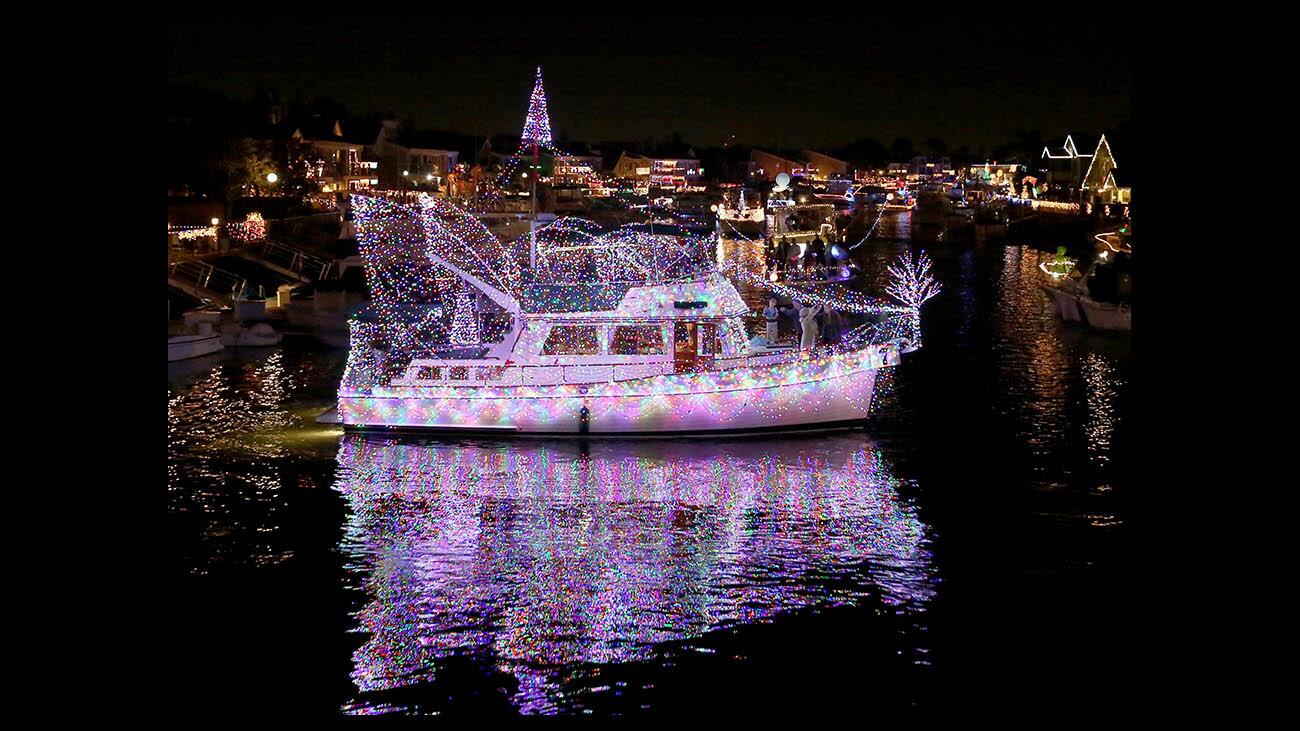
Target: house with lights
(633, 167)
(577, 169)
(1062, 168)
(1099, 186)
(676, 173)
(328, 157)
(1087, 178)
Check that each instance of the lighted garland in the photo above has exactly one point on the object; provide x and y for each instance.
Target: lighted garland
(848, 301)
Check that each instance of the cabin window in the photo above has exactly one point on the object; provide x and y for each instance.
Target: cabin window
(459, 373)
(638, 340)
(710, 344)
(428, 373)
(572, 340)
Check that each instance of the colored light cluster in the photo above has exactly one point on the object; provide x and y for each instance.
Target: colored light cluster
(537, 125)
(252, 228)
(541, 559)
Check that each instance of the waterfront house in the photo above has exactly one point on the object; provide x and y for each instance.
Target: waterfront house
(412, 159)
(1087, 178)
(328, 157)
(768, 165)
(676, 173)
(824, 167)
(577, 169)
(631, 166)
(1099, 186)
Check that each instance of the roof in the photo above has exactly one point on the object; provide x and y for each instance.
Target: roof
(1074, 144)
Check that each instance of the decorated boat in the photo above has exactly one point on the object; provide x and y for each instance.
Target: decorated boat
(1099, 296)
(573, 329)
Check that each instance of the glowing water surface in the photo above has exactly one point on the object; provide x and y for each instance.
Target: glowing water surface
(542, 556)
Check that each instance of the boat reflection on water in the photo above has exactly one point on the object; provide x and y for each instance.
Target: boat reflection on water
(533, 558)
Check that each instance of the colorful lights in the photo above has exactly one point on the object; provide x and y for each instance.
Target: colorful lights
(539, 558)
(537, 125)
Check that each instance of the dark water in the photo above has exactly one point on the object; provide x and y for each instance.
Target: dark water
(962, 553)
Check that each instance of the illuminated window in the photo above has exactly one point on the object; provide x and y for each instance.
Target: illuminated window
(430, 373)
(572, 340)
(459, 373)
(638, 340)
(490, 373)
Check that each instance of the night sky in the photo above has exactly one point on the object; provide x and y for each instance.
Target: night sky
(786, 81)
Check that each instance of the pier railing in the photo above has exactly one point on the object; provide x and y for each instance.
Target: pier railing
(298, 261)
(204, 281)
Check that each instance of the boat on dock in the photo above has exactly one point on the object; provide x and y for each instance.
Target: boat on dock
(603, 332)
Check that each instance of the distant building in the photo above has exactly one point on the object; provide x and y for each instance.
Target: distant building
(824, 167)
(923, 167)
(1099, 186)
(409, 160)
(1063, 168)
(336, 162)
(767, 165)
(577, 169)
(660, 172)
(1087, 178)
(633, 167)
(675, 173)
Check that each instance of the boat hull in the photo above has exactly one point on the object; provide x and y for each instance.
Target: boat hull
(192, 346)
(1107, 316)
(837, 401)
(1066, 304)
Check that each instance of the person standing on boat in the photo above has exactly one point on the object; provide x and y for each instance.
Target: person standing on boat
(808, 326)
(833, 328)
(818, 251)
(770, 253)
(771, 318)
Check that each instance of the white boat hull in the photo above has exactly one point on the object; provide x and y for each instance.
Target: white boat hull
(812, 395)
(1107, 316)
(183, 347)
(1066, 304)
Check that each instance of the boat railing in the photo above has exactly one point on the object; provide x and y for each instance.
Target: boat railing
(493, 373)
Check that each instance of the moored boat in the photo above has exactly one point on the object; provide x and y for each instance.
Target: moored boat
(203, 342)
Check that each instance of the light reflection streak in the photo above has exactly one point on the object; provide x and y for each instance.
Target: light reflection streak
(1102, 381)
(538, 557)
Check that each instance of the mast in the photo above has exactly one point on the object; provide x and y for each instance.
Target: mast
(537, 131)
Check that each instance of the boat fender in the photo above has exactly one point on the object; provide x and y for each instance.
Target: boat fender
(584, 420)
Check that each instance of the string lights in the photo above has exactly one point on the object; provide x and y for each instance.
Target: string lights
(648, 285)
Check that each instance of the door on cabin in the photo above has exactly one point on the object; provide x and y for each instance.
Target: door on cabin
(684, 351)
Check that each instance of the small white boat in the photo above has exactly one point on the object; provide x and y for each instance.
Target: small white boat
(258, 335)
(1073, 301)
(204, 342)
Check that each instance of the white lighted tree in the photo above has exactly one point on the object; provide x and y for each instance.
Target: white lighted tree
(910, 280)
(911, 283)
(464, 322)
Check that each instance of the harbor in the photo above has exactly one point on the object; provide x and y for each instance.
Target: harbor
(492, 423)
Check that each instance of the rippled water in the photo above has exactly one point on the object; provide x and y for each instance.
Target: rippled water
(965, 547)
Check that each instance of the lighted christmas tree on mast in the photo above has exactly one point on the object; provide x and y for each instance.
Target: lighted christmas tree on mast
(537, 125)
(537, 132)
